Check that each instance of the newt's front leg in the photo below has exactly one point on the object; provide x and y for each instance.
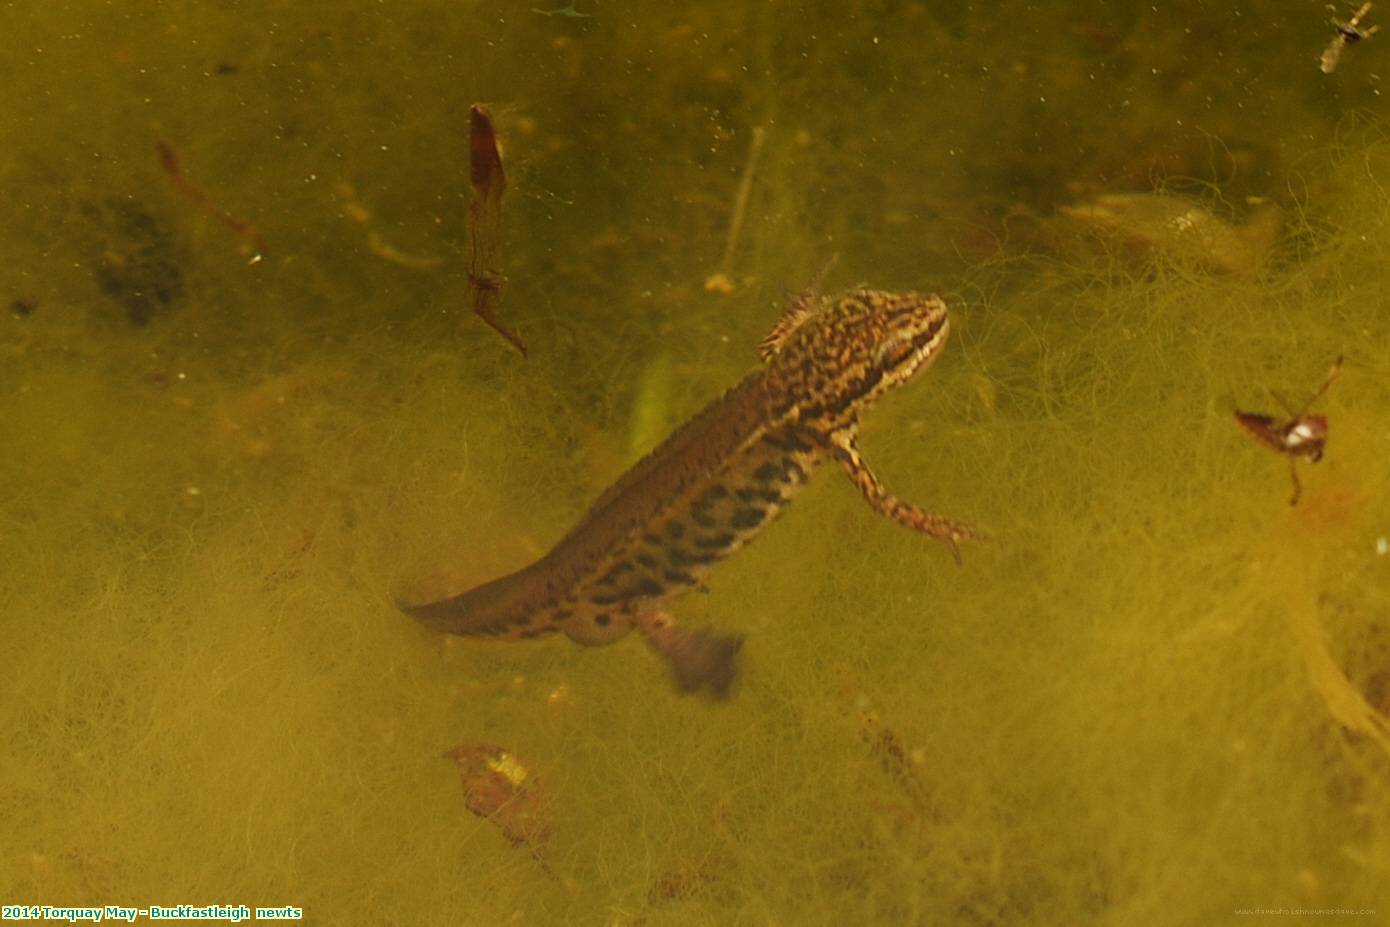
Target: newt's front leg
(846, 450)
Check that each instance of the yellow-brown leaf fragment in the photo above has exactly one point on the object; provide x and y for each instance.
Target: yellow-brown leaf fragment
(500, 787)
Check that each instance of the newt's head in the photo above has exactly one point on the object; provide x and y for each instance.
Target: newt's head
(834, 356)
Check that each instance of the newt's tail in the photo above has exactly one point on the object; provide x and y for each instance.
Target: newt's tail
(498, 609)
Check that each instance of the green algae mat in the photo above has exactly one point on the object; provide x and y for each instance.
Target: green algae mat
(245, 406)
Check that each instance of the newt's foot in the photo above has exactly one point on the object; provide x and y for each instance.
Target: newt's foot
(697, 658)
(951, 533)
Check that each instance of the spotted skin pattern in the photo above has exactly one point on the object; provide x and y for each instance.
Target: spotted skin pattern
(715, 483)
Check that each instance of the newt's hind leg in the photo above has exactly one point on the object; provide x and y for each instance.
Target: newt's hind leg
(946, 530)
(698, 658)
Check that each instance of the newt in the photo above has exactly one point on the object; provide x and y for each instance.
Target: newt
(715, 483)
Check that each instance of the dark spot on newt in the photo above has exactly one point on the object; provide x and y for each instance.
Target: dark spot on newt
(709, 499)
(685, 558)
(750, 494)
(716, 542)
(747, 518)
(768, 472)
(619, 568)
(648, 587)
(789, 441)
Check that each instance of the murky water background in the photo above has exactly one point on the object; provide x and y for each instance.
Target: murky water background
(1157, 694)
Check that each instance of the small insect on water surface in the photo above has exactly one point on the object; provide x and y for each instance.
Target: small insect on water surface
(1348, 33)
(1300, 435)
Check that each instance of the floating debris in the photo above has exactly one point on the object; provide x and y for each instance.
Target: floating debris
(384, 249)
(500, 787)
(168, 159)
(1180, 229)
(485, 278)
(902, 765)
(1300, 435)
(358, 214)
(722, 282)
(1348, 33)
(567, 11)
